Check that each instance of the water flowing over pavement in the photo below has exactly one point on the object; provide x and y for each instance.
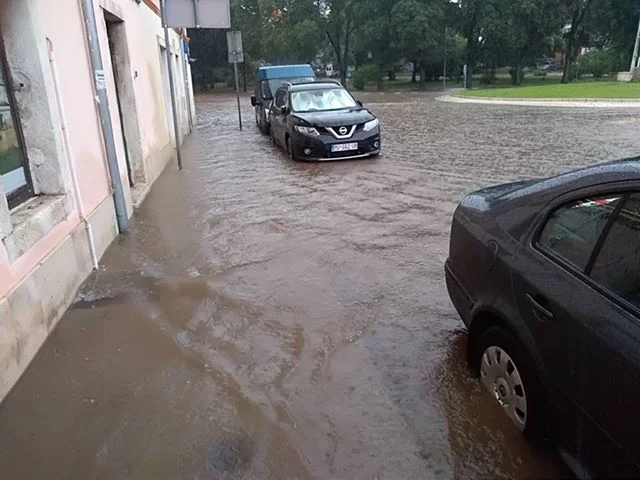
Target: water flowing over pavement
(267, 319)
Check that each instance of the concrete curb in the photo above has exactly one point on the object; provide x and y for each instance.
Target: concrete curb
(545, 102)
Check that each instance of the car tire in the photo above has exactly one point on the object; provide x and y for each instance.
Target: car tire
(507, 372)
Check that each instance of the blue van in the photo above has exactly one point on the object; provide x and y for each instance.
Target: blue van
(269, 80)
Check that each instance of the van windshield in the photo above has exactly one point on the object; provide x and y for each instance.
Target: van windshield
(319, 100)
(269, 87)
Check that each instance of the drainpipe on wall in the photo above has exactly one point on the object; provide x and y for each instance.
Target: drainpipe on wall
(71, 158)
(105, 115)
(172, 87)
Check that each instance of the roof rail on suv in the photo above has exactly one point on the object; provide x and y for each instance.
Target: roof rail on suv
(315, 82)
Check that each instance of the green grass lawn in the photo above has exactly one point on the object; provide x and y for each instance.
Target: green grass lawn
(584, 90)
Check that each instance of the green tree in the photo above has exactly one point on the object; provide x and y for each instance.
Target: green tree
(421, 35)
(478, 20)
(290, 32)
(614, 24)
(526, 33)
(209, 49)
(574, 32)
(380, 34)
(339, 20)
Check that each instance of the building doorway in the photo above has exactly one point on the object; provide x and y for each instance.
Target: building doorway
(125, 95)
(166, 90)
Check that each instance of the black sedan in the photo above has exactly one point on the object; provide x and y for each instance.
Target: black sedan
(546, 276)
(322, 121)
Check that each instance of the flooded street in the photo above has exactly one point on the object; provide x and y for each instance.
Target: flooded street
(267, 319)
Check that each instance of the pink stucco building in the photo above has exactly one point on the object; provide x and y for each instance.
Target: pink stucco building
(54, 169)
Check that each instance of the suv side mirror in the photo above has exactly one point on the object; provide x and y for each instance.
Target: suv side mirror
(359, 103)
(254, 102)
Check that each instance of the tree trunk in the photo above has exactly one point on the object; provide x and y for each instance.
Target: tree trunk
(515, 75)
(244, 76)
(414, 74)
(470, 60)
(568, 59)
(423, 75)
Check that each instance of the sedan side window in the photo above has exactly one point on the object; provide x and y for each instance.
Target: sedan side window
(617, 266)
(573, 230)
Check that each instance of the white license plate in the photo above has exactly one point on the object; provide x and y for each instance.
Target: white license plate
(344, 147)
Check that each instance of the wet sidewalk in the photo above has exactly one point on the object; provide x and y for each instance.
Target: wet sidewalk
(275, 320)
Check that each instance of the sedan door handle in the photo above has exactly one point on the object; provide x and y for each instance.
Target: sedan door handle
(540, 309)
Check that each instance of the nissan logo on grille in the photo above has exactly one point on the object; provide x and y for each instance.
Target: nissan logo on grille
(343, 130)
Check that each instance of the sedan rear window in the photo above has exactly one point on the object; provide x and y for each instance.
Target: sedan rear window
(572, 230)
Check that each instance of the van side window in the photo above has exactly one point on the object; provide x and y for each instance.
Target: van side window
(572, 230)
(617, 266)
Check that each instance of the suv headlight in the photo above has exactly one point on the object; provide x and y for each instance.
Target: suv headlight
(307, 131)
(371, 125)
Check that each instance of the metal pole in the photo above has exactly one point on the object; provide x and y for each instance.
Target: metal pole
(444, 74)
(636, 50)
(196, 12)
(235, 70)
(174, 106)
(105, 114)
(187, 87)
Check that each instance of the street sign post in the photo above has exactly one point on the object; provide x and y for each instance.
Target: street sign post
(236, 55)
(189, 14)
(444, 70)
(198, 13)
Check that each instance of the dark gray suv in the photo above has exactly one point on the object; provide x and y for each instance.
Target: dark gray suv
(546, 276)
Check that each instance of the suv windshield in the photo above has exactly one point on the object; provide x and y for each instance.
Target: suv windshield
(319, 100)
(269, 87)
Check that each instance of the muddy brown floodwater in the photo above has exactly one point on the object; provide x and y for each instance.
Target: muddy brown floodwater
(275, 320)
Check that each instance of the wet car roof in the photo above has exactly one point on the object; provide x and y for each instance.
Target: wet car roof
(285, 71)
(616, 171)
(519, 204)
(626, 169)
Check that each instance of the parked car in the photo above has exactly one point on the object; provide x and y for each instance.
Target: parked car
(269, 80)
(546, 276)
(322, 121)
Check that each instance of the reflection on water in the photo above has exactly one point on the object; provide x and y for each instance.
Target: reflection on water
(266, 319)
(483, 440)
